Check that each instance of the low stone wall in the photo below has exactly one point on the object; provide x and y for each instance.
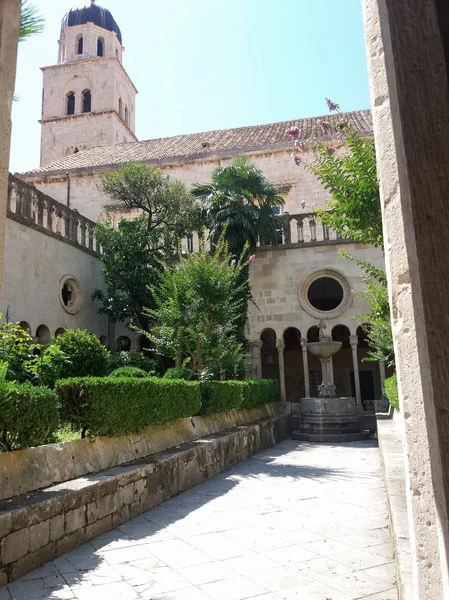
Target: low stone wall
(35, 468)
(38, 527)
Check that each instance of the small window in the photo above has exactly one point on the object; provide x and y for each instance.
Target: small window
(100, 45)
(80, 46)
(126, 115)
(87, 101)
(71, 103)
(325, 294)
(120, 107)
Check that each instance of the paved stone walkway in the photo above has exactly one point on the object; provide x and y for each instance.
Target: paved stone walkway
(297, 521)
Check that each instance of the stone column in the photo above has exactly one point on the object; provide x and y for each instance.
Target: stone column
(305, 363)
(280, 347)
(256, 346)
(408, 63)
(354, 342)
(9, 35)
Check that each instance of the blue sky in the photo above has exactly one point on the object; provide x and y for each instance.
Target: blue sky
(212, 64)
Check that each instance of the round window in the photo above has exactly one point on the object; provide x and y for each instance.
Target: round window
(70, 294)
(325, 294)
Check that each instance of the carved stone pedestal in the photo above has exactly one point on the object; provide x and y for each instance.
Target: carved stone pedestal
(327, 420)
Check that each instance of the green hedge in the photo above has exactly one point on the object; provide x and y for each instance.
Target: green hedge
(29, 415)
(116, 406)
(259, 391)
(180, 372)
(220, 396)
(128, 372)
(390, 387)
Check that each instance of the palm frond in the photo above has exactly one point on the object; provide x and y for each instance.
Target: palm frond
(31, 21)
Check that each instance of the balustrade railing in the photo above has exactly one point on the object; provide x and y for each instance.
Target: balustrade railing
(304, 229)
(32, 207)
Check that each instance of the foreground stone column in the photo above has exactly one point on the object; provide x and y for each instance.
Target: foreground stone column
(305, 363)
(280, 348)
(354, 342)
(408, 60)
(9, 34)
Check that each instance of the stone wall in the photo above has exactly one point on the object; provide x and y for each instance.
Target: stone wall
(43, 525)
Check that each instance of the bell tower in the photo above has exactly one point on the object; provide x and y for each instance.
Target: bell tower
(88, 99)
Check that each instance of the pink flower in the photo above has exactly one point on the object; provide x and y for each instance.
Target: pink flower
(292, 131)
(149, 266)
(297, 158)
(332, 106)
(252, 257)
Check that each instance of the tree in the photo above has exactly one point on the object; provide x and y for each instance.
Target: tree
(238, 207)
(31, 21)
(133, 249)
(196, 306)
(351, 179)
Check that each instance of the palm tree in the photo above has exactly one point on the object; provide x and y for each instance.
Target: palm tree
(31, 21)
(238, 204)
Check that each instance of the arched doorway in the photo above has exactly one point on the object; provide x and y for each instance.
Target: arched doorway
(315, 376)
(25, 326)
(269, 355)
(342, 362)
(293, 365)
(59, 331)
(123, 344)
(43, 335)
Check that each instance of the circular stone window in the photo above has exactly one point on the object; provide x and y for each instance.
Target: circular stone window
(70, 294)
(324, 293)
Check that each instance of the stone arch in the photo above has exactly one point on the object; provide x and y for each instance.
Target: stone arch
(123, 343)
(293, 365)
(43, 334)
(25, 326)
(313, 334)
(87, 101)
(269, 354)
(59, 331)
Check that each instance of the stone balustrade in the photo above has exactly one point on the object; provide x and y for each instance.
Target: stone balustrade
(31, 207)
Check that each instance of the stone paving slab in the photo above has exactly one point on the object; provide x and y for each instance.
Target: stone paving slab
(297, 521)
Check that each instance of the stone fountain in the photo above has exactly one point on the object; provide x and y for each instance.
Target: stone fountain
(327, 418)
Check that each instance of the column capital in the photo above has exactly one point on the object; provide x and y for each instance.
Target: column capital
(304, 344)
(280, 344)
(354, 341)
(256, 343)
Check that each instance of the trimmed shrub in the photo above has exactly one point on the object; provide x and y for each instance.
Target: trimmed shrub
(29, 415)
(120, 405)
(141, 360)
(86, 353)
(180, 372)
(390, 387)
(259, 391)
(128, 372)
(220, 396)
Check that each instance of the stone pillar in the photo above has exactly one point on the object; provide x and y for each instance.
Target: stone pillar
(256, 346)
(305, 362)
(408, 62)
(280, 347)
(9, 35)
(354, 341)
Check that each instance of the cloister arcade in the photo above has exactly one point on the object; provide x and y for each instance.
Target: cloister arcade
(283, 355)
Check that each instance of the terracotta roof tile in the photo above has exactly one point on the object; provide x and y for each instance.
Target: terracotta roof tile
(203, 144)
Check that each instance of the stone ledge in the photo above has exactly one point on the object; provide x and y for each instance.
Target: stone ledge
(31, 469)
(392, 458)
(37, 527)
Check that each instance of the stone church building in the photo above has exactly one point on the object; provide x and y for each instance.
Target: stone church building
(88, 127)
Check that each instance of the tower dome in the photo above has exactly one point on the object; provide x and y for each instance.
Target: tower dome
(90, 12)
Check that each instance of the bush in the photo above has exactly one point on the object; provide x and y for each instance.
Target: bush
(390, 387)
(128, 372)
(139, 360)
(29, 415)
(221, 396)
(181, 372)
(120, 405)
(86, 353)
(46, 368)
(259, 391)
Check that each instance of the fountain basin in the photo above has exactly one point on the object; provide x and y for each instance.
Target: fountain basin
(324, 349)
